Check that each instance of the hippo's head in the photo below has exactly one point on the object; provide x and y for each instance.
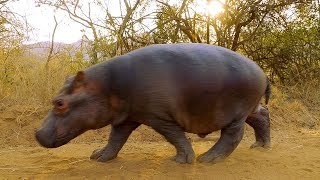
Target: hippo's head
(80, 106)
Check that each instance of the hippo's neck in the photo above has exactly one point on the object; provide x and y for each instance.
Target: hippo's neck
(120, 77)
(99, 74)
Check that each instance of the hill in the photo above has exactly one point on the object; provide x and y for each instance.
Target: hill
(41, 49)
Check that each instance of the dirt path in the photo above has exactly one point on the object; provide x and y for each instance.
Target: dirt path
(294, 155)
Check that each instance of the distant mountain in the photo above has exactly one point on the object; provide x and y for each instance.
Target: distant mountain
(41, 49)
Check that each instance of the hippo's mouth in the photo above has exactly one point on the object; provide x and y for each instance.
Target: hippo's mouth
(65, 138)
(52, 141)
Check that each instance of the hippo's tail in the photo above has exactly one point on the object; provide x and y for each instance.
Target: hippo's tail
(267, 92)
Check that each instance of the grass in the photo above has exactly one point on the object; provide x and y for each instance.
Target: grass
(289, 107)
(29, 81)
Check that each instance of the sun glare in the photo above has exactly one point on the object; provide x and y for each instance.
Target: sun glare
(210, 7)
(215, 7)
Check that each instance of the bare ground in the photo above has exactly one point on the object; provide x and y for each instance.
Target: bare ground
(294, 154)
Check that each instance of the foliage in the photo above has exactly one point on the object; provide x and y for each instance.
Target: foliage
(12, 27)
(281, 36)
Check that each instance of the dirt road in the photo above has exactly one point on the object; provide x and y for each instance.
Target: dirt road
(294, 155)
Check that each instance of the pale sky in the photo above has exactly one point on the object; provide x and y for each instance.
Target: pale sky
(68, 31)
(41, 19)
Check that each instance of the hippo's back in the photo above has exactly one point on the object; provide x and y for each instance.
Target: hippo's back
(202, 87)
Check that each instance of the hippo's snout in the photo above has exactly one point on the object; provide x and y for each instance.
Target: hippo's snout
(45, 139)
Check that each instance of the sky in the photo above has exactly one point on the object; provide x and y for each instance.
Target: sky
(41, 19)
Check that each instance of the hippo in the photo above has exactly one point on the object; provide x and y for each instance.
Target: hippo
(172, 88)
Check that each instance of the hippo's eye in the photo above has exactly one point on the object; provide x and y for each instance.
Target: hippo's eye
(60, 106)
(59, 103)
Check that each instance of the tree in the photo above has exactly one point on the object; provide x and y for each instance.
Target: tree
(287, 46)
(50, 54)
(113, 29)
(13, 28)
(77, 13)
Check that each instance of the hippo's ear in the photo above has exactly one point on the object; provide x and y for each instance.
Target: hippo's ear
(78, 82)
(79, 77)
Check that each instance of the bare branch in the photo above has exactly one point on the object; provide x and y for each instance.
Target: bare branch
(3, 1)
(50, 55)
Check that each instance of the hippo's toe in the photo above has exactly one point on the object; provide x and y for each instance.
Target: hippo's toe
(260, 144)
(210, 157)
(102, 155)
(184, 158)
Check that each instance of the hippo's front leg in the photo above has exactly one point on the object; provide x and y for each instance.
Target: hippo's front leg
(176, 136)
(118, 136)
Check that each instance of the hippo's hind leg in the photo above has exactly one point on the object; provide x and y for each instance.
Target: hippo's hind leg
(260, 122)
(118, 136)
(176, 136)
(227, 143)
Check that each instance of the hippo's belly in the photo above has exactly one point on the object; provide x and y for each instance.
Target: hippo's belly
(203, 124)
(206, 112)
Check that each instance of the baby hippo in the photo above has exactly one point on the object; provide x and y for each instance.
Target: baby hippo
(173, 88)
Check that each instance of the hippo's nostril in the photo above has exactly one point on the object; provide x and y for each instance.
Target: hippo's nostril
(43, 139)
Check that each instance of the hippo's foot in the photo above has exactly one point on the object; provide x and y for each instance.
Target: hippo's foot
(183, 158)
(103, 155)
(260, 144)
(210, 157)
